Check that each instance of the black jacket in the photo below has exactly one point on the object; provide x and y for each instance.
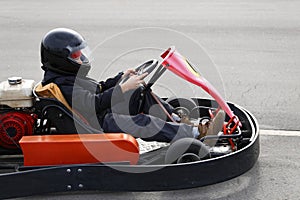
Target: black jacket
(90, 98)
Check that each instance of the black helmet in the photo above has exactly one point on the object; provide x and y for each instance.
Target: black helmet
(65, 51)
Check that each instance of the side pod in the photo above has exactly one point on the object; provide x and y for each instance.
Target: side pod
(48, 150)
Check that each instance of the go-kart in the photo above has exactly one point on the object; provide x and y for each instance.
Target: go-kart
(48, 147)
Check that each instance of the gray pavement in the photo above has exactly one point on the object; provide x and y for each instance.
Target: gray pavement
(254, 45)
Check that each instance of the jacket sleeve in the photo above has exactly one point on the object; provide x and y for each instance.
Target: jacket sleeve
(86, 101)
(111, 82)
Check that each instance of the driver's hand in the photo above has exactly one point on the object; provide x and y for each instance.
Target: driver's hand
(133, 82)
(128, 72)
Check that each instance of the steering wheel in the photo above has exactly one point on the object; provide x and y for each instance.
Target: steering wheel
(147, 66)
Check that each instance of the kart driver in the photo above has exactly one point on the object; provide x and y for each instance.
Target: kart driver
(109, 105)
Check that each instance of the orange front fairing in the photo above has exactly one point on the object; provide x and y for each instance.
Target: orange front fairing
(79, 148)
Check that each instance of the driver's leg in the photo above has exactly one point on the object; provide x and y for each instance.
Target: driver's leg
(142, 101)
(150, 101)
(151, 106)
(131, 104)
(146, 127)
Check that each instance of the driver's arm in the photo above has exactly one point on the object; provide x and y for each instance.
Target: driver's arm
(111, 82)
(133, 82)
(85, 101)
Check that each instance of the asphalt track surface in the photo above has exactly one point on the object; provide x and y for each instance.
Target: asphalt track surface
(254, 47)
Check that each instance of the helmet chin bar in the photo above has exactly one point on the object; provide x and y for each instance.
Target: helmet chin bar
(84, 69)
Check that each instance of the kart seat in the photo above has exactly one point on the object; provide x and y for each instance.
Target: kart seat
(51, 90)
(57, 115)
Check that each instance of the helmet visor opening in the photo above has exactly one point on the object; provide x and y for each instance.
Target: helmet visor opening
(81, 56)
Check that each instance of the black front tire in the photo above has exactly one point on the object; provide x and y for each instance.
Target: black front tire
(186, 150)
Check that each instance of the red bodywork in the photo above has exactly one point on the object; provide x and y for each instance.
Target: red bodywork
(179, 65)
(46, 150)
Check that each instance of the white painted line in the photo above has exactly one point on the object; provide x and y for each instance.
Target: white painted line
(280, 133)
